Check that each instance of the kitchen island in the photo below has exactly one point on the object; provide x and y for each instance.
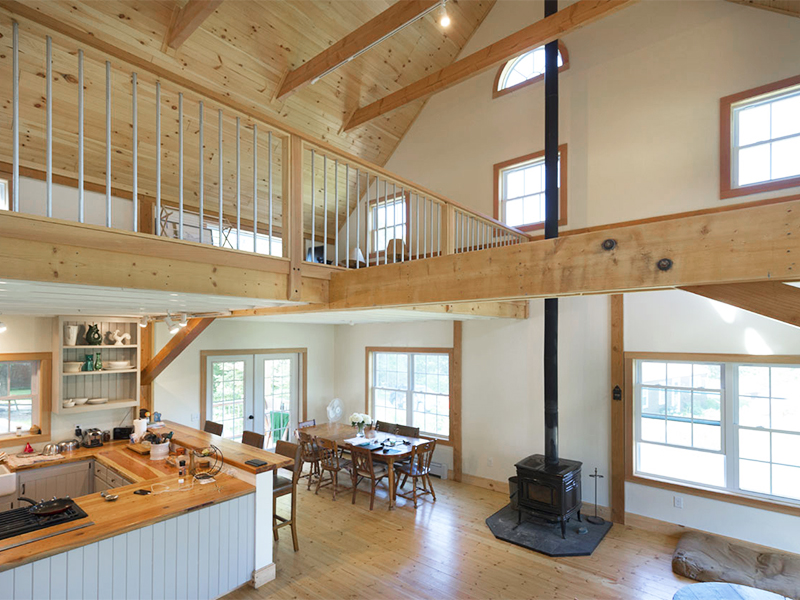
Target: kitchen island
(192, 540)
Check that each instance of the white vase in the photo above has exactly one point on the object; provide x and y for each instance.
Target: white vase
(70, 335)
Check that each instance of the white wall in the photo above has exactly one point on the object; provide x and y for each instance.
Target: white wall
(639, 108)
(682, 322)
(35, 334)
(177, 389)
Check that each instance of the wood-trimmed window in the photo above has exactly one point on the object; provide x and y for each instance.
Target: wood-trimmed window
(5, 194)
(519, 191)
(412, 386)
(526, 70)
(720, 426)
(760, 139)
(25, 396)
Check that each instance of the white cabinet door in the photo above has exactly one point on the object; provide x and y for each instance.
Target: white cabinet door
(63, 480)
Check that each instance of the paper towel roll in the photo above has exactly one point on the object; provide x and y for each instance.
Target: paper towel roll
(139, 428)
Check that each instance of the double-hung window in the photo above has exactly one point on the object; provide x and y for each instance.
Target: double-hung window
(725, 424)
(387, 221)
(520, 187)
(412, 388)
(24, 395)
(761, 139)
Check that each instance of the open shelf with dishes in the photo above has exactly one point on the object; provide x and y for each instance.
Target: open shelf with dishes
(78, 385)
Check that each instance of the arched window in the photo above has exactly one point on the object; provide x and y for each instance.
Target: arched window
(525, 70)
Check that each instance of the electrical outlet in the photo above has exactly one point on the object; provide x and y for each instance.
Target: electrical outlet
(677, 501)
(195, 417)
(489, 462)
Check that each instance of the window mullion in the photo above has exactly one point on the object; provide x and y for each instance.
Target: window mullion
(410, 392)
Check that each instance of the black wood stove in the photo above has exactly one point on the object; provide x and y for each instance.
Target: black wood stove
(549, 492)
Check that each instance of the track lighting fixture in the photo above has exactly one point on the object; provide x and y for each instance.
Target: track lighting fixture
(143, 322)
(444, 18)
(171, 325)
(184, 320)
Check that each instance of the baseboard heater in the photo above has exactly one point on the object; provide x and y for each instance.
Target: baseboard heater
(439, 469)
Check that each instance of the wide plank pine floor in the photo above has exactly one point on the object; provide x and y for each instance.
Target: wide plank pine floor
(444, 550)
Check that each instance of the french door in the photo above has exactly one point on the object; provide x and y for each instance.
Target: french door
(254, 392)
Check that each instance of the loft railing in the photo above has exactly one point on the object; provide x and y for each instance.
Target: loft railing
(126, 150)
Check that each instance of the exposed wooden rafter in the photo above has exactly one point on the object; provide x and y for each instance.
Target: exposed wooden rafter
(186, 20)
(173, 348)
(551, 28)
(754, 244)
(771, 299)
(784, 7)
(371, 32)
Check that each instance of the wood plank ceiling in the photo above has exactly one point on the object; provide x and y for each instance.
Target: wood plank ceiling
(245, 48)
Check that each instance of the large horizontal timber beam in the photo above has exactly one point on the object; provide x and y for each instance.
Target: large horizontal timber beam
(748, 245)
(771, 299)
(50, 250)
(538, 34)
(493, 310)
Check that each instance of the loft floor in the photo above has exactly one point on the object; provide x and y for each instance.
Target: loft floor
(444, 550)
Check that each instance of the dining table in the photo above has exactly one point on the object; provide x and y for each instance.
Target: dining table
(394, 447)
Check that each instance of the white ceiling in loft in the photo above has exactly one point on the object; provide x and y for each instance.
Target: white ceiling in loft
(51, 299)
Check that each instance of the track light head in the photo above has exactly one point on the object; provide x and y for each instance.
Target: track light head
(143, 322)
(444, 18)
(184, 320)
(171, 325)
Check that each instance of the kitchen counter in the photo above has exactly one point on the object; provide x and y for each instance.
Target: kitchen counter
(129, 512)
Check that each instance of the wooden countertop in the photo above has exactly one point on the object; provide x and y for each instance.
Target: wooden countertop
(127, 513)
(234, 453)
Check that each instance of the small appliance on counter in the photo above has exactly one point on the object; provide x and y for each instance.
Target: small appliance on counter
(122, 433)
(92, 438)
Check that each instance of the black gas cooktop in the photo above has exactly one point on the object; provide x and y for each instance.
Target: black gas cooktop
(20, 520)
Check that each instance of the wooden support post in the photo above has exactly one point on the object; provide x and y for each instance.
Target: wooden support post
(618, 448)
(455, 400)
(449, 229)
(146, 349)
(295, 216)
(179, 342)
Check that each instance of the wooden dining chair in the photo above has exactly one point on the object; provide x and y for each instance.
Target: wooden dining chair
(281, 486)
(418, 468)
(309, 454)
(363, 468)
(331, 461)
(251, 438)
(385, 427)
(212, 427)
(407, 431)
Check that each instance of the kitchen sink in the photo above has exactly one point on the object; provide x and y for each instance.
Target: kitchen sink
(8, 481)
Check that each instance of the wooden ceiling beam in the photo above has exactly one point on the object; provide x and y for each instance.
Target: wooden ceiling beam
(771, 299)
(783, 7)
(173, 348)
(753, 244)
(186, 20)
(548, 29)
(353, 44)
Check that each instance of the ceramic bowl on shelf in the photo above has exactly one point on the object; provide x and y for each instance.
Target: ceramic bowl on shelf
(72, 367)
(117, 364)
(67, 404)
(98, 400)
(79, 401)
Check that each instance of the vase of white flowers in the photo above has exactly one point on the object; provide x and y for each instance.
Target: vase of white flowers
(360, 420)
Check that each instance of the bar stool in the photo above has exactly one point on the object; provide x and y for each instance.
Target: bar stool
(281, 486)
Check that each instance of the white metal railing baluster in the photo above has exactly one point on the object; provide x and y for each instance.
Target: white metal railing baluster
(386, 221)
(201, 194)
(135, 151)
(325, 209)
(438, 229)
(366, 222)
(158, 159)
(269, 184)
(220, 177)
(424, 229)
(238, 182)
(404, 226)
(347, 215)
(255, 186)
(180, 166)
(313, 209)
(417, 219)
(336, 212)
(49, 119)
(15, 119)
(358, 216)
(80, 138)
(108, 144)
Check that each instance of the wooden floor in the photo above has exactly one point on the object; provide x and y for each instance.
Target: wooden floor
(444, 550)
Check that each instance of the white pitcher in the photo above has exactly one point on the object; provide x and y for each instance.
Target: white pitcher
(70, 335)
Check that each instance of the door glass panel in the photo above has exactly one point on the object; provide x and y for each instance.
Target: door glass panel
(228, 397)
(277, 399)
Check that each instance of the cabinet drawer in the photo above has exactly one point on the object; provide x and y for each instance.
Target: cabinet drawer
(100, 471)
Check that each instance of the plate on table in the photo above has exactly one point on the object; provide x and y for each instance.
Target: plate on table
(98, 400)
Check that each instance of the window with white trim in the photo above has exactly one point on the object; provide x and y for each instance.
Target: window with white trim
(766, 138)
(387, 221)
(20, 396)
(728, 425)
(522, 188)
(524, 68)
(412, 388)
